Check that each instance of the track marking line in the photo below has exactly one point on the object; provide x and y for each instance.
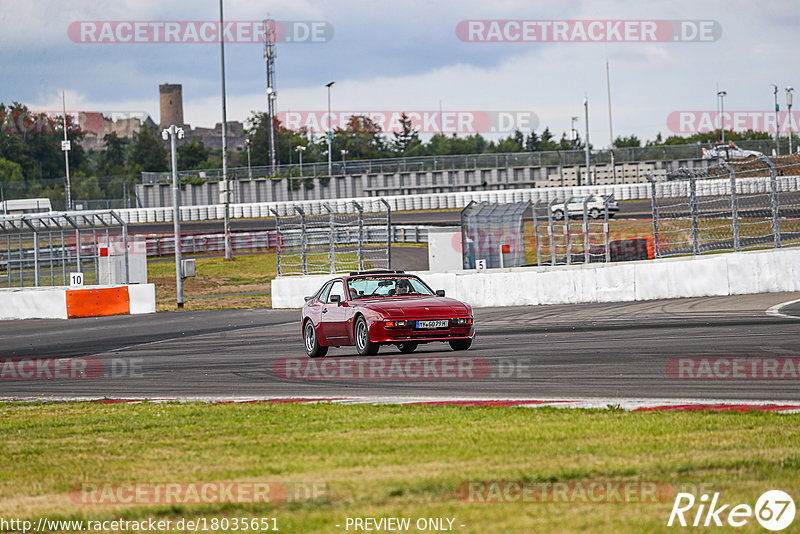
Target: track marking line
(775, 311)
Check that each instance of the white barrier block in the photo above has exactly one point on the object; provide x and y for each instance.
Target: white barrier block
(700, 277)
(651, 280)
(33, 303)
(616, 283)
(773, 271)
(555, 286)
(742, 273)
(289, 291)
(142, 298)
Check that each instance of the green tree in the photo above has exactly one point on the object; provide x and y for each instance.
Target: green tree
(406, 142)
(112, 160)
(193, 155)
(547, 141)
(361, 138)
(147, 153)
(11, 179)
(629, 141)
(512, 143)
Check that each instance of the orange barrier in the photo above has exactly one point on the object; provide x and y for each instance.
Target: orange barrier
(98, 302)
(650, 250)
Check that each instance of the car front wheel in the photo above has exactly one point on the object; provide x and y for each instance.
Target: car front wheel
(313, 348)
(558, 215)
(461, 344)
(364, 346)
(594, 213)
(407, 348)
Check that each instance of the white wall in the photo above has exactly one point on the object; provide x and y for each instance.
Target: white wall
(142, 298)
(717, 274)
(33, 303)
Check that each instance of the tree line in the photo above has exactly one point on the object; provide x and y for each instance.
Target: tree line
(32, 161)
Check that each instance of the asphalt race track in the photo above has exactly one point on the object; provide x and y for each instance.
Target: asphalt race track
(620, 350)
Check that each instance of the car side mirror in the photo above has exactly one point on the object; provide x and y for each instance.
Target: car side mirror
(307, 298)
(336, 298)
(440, 292)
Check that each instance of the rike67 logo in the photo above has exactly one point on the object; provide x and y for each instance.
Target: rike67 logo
(774, 510)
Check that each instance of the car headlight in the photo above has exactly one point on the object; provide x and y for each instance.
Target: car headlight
(461, 321)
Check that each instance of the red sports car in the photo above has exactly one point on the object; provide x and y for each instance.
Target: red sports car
(375, 308)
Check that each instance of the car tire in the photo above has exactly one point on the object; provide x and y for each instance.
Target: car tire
(460, 344)
(408, 347)
(364, 346)
(313, 348)
(558, 215)
(594, 213)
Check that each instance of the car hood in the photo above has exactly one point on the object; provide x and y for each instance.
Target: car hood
(410, 306)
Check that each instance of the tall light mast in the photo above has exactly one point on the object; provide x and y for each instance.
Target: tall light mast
(272, 94)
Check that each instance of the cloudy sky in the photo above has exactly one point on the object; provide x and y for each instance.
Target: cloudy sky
(409, 56)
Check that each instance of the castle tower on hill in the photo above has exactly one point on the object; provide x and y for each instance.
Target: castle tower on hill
(171, 99)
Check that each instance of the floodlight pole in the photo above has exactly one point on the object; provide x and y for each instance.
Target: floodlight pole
(588, 170)
(173, 133)
(65, 146)
(789, 95)
(225, 139)
(330, 130)
(721, 95)
(777, 125)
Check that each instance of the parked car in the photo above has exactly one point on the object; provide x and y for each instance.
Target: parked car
(374, 308)
(595, 207)
(728, 151)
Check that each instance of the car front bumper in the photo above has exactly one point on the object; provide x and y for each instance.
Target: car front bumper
(380, 333)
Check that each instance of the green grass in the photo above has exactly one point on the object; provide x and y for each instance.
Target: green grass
(387, 461)
(216, 276)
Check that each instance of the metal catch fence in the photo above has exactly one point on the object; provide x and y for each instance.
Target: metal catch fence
(43, 249)
(341, 239)
(564, 237)
(737, 206)
(493, 233)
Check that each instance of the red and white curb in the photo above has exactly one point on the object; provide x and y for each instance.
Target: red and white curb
(626, 404)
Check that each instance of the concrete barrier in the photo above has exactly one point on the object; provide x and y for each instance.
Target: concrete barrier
(70, 302)
(713, 275)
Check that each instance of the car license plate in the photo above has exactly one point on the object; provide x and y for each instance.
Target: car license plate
(444, 323)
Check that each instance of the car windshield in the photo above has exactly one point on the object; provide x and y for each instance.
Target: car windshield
(386, 286)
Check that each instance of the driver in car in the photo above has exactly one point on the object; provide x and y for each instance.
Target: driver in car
(403, 287)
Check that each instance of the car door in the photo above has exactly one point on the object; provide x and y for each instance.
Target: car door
(313, 309)
(335, 315)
